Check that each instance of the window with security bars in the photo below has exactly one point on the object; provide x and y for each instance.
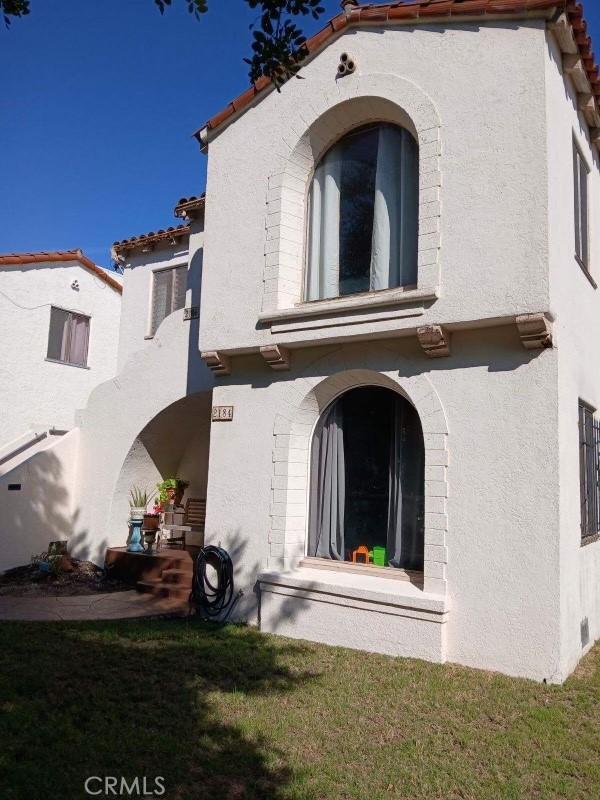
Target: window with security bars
(589, 470)
(68, 337)
(580, 175)
(168, 293)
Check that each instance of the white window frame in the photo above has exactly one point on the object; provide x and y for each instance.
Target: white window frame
(87, 350)
(150, 333)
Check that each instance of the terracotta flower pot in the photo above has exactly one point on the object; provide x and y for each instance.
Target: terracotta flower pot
(150, 522)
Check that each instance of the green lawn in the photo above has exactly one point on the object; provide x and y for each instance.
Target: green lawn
(232, 714)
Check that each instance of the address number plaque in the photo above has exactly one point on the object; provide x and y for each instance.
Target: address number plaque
(222, 413)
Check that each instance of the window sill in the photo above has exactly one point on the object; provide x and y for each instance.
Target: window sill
(389, 573)
(338, 305)
(350, 588)
(66, 363)
(586, 272)
(595, 537)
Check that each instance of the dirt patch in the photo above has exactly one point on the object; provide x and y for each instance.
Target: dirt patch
(84, 579)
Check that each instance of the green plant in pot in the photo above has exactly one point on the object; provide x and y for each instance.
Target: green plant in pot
(138, 500)
(171, 491)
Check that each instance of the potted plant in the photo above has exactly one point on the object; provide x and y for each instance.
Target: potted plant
(152, 519)
(138, 500)
(171, 491)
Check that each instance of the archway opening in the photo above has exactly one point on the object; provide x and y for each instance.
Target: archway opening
(367, 481)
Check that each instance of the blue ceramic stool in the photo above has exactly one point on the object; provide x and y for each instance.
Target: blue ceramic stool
(135, 536)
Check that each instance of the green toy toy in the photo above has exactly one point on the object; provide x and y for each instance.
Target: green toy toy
(379, 556)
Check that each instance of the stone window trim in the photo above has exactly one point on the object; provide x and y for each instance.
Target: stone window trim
(292, 438)
(367, 99)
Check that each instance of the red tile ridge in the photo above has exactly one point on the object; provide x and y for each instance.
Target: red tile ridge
(425, 10)
(10, 259)
(153, 237)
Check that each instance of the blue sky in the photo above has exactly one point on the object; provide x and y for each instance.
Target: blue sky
(98, 104)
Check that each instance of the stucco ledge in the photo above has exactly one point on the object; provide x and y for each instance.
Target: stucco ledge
(377, 591)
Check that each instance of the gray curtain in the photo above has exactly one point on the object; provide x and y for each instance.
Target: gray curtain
(328, 487)
(406, 502)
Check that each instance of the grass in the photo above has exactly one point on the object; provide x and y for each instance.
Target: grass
(234, 714)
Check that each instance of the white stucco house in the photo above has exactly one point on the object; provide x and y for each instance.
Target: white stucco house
(59, 322)
(388, 298)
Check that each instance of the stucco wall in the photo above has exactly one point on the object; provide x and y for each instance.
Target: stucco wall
(154, 375)
(39, 392)
(45, 508)
(135, 323)
(502, 478)
(484, 83)
(576, 304)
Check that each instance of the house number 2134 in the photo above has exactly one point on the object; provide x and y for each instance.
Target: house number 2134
(222, 413)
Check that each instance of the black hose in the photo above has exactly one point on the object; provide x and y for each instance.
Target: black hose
(214, 600)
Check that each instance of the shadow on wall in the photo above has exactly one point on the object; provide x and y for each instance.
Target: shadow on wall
(174, 444)
(40, 512)
(193, 738)
(194, 284)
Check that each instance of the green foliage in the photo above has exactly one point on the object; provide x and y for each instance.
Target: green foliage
(13, 8)
(195, 7)
(169, 483)
(138, 498)
(278, 44)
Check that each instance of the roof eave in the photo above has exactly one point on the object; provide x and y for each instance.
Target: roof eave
(368, 16)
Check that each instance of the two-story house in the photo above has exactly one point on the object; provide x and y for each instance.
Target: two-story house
(399, 302)
(388, 299)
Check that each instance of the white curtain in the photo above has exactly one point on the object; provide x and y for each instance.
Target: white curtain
(395, 218)
(324, 242)
(79, 340)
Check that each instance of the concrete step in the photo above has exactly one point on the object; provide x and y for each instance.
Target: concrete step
(178, 576)
(160, 588)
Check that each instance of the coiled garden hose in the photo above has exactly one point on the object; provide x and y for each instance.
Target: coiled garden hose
(214, 601)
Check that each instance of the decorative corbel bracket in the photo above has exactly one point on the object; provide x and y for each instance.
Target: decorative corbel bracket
(277, 357)
(434, 340)
(535, 331)
(216, 361)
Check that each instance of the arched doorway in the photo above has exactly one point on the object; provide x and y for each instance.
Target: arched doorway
(367, 480)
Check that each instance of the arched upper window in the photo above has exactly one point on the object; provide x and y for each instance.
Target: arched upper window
(363, 214)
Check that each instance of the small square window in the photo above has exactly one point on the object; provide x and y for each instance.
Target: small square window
(68, 337)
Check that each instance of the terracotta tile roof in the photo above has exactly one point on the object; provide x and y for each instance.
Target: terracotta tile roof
(9, 259)
(425, 11)
(149, 240)
(188, 207)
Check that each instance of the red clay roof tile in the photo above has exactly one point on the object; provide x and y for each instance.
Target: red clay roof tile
(150, 239)
(382, 14)
(9, 259)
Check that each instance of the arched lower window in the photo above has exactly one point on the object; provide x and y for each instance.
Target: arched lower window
(367, 500)
(363, 214)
